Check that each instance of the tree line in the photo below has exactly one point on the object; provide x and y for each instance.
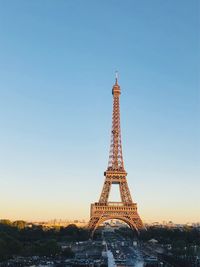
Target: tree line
(16, 239)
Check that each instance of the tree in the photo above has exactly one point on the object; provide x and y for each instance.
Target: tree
(19, 224)
(3, 250)
(5, 221)
(48, 248)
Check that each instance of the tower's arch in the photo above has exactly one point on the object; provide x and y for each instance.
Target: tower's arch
(128, 221)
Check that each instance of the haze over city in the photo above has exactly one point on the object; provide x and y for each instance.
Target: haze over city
(57, 68)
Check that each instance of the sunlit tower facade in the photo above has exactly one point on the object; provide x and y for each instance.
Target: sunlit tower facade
(126, 210)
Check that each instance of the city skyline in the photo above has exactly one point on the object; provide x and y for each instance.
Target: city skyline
(57, 65)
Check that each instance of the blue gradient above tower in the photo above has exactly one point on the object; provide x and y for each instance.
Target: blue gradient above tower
(57, 63)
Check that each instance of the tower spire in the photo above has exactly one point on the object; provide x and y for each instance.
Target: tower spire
(116, 77)
(115, 162)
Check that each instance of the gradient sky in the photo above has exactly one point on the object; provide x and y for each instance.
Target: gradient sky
(57, 64)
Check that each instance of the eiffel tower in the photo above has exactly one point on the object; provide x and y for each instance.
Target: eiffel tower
(126, 210)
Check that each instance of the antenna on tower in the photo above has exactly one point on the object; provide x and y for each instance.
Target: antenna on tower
(116, 76)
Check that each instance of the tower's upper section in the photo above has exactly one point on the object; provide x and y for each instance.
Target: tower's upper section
(116, 88)
(115, 156)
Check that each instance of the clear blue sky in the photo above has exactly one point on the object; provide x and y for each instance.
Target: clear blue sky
(57, 64)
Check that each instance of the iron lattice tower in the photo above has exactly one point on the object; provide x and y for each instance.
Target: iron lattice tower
(125, 210)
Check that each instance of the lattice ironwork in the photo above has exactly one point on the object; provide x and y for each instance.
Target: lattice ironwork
(125, 210)
(116, 162)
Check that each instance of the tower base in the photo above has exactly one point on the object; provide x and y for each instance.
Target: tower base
(101, 212)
